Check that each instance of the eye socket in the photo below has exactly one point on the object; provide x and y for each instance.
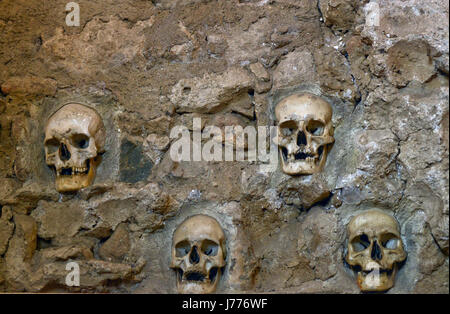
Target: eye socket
(52, 145)
(315, 127)
(80, 141)
(360, 243)
(287, 131)
(288, 127)
(390, 241)
(210, 248)
(182, 248)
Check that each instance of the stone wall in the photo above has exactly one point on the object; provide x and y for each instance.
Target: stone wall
(147, 66)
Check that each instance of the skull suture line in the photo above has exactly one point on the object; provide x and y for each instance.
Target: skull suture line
(198, 254)
(305, 133)
(74, 136)
(375, 249)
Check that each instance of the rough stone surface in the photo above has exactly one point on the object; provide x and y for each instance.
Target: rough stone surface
(147, 66)
(117, 245)
(211, 92)
(29, 85)
(6, 229)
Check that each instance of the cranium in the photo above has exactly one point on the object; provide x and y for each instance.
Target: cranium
(74, 136)
(375, 250)
(198, 254)
(305, 132)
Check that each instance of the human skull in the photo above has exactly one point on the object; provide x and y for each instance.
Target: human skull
(305, 132)
(198, 254)
(74, 136)
(375, 250)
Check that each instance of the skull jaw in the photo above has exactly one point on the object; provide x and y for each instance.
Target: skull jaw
(303, 166)
(206, 286)
(75, 182)
(373, 282)
(193, 287)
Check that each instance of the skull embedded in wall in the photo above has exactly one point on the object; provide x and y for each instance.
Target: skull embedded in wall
(74, 137)
(375, 250)
(305, 133)
(198, 254)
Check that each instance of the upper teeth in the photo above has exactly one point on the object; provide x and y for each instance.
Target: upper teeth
(74, 170)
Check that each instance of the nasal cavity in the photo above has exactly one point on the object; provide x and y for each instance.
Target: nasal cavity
(193, 257)
(64, 153)
(376, 252)
(301, 138)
